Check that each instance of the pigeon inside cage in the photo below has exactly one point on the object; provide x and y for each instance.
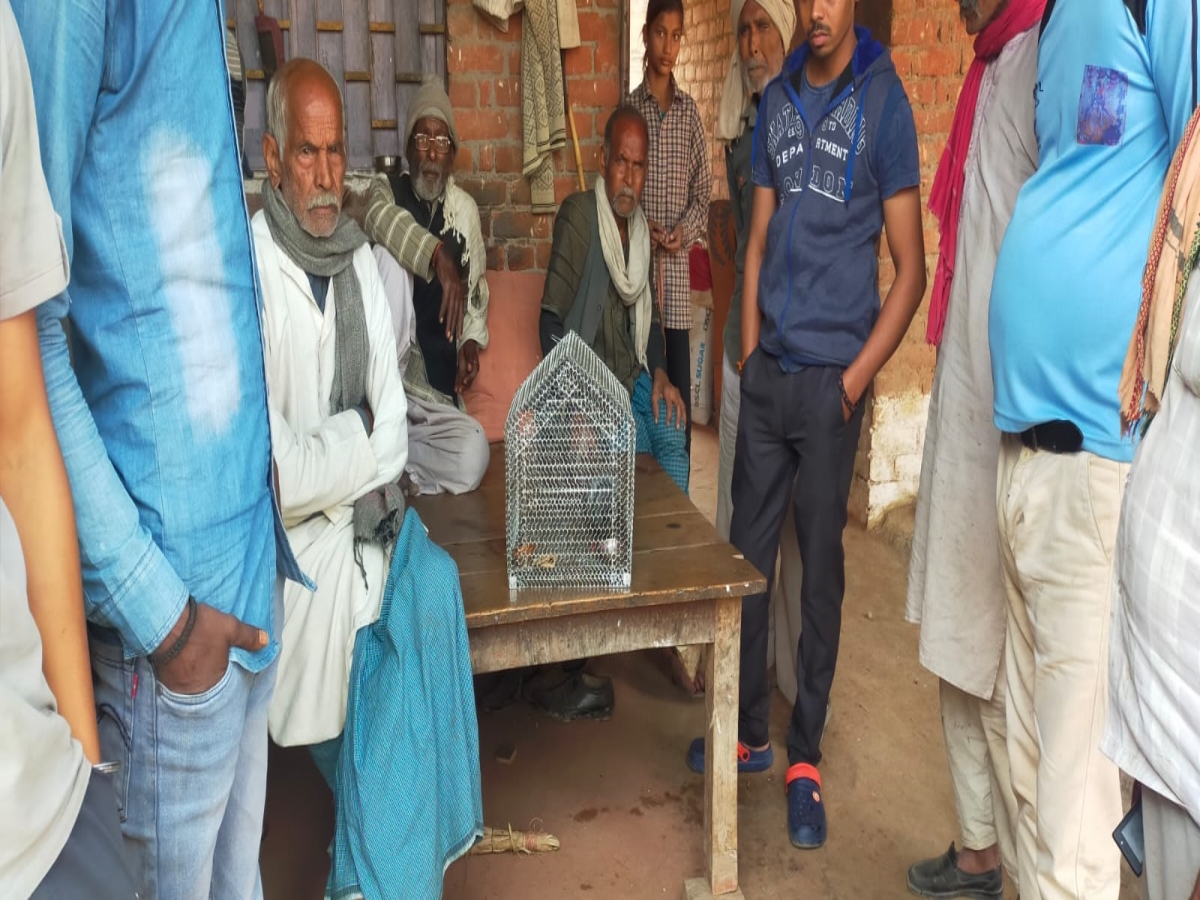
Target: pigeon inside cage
(569, 444)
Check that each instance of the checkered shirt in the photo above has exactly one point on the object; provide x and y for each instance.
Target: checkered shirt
(677, 192)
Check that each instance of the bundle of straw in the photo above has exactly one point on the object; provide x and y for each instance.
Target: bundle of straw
(505, 840)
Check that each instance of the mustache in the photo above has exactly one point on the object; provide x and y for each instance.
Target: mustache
(328, 199)
(432, 169)
(624, 193)
(822, 29)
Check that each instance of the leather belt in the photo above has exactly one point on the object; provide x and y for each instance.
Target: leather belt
(1057, 436)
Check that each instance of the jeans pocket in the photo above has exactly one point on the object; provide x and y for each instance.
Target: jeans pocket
(190, 703)
(115, 709)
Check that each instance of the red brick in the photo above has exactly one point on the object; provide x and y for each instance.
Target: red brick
(463, 159)
(583, 125)
(477, 59)
(514, 63)
(495, 258)
(485, 95)
(520, 257)
(915, 30)
(487, 157)
(565, 186)
(463, 94)
(599, 27)
(607, 58)
(508, 92)
(480, 125)
(593, 92)
(921, 91)
(933, 121)
(937, 61)
(543, 255)
(579, 61)
(519, 193)
(487, 192)
(509, 158)
(508, 225)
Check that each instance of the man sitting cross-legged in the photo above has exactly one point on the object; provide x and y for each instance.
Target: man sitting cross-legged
(372, 671)
(438, 348)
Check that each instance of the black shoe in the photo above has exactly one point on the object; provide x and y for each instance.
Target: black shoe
(941, 877)
(569, 695)
(499, 690)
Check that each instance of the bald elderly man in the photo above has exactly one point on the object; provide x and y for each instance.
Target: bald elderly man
(337, 410)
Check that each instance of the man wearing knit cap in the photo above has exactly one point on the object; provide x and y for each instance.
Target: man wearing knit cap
(955, 587)
(763, 30)
(439, 359)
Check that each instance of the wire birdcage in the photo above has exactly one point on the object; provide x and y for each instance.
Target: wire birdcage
(569, 444)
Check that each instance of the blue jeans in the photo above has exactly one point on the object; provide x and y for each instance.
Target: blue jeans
(193, 783)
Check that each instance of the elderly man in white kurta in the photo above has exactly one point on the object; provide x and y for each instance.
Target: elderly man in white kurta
(955, 588)
(374, 669)
(327, 458)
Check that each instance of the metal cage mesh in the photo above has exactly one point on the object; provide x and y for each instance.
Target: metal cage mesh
(569, 444)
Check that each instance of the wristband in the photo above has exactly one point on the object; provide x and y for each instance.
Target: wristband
(850, 405)
(176, 648)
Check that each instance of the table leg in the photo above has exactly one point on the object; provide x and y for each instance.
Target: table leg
(720, 748)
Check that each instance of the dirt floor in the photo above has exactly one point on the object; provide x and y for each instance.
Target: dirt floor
(627, 810)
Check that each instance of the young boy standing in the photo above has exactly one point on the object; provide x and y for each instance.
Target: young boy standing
(835, 162)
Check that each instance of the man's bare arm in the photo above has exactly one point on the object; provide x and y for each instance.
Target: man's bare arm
(756, 243)
(33, 484)
(906, 241)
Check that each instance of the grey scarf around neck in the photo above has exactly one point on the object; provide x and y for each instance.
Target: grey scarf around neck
(332, 257)
(378, 514)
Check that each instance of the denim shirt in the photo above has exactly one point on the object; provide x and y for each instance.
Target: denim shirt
(162, 416)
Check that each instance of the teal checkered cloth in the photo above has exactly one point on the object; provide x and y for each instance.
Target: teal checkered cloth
(406, 792)
(663, 441)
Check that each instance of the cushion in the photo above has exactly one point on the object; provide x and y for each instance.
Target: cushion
(513, 349)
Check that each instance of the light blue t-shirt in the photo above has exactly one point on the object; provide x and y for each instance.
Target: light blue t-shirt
(1114, 95)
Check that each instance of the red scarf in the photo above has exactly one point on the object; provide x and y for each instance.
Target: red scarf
(945, 199)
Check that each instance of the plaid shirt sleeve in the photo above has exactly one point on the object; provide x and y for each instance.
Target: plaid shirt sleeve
(392, 225)
(678, 188)
(695, 217)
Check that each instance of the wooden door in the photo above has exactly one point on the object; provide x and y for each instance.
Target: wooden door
(378, 50)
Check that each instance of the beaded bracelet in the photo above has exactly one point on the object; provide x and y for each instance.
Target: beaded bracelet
(850, 405)
(176, 648)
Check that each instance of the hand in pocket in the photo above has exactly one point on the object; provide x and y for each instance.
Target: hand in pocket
(205, 657)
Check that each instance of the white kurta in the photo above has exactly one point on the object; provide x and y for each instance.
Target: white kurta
(955, 589)
(325, 463)
(1154, 656)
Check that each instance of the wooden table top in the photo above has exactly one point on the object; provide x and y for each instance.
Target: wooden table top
(677, 555)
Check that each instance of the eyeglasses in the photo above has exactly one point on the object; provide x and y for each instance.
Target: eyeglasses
(441, 143)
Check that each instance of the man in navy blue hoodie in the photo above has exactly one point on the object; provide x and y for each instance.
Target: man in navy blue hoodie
(835, 161)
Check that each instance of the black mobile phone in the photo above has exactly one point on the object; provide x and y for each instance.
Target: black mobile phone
(1128, 836)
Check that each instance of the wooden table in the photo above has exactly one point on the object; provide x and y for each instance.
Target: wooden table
(687, 589)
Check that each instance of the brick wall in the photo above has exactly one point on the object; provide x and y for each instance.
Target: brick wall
(701, 68)
(931, 52)
(484, 69)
